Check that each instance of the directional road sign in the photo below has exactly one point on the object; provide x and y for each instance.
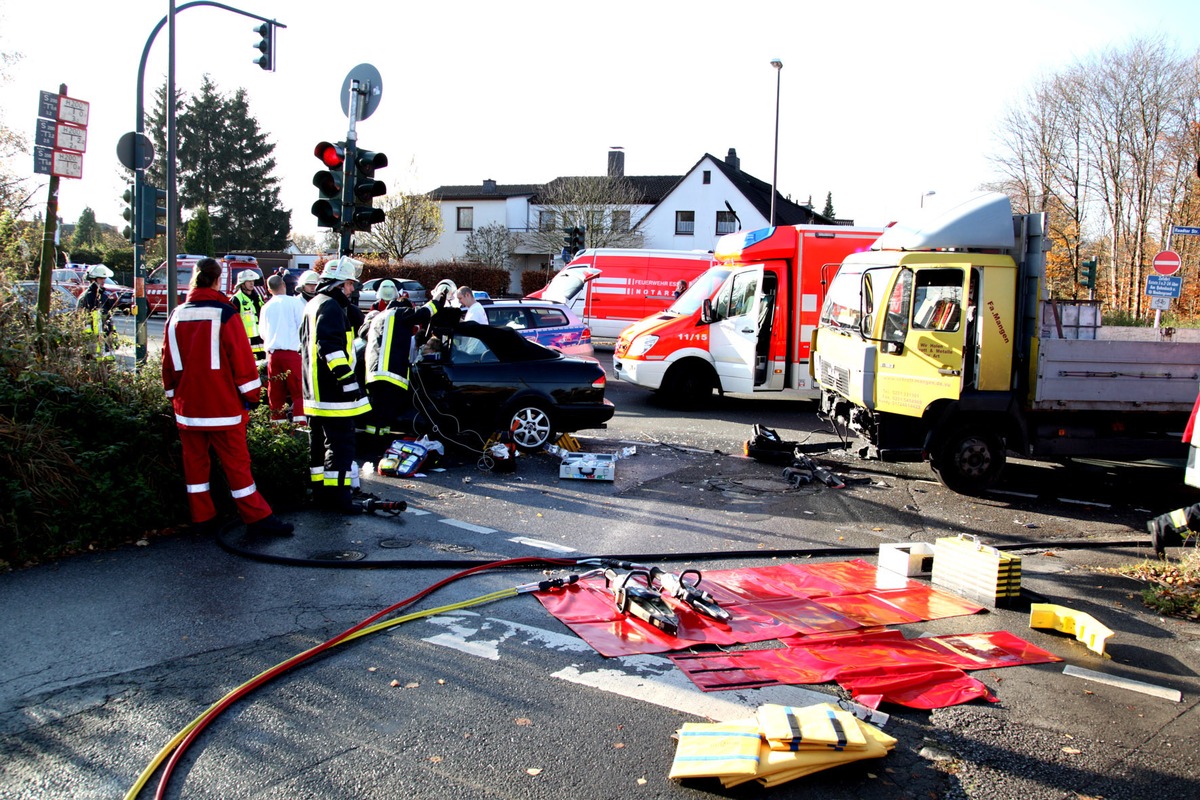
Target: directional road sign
(1163, 285)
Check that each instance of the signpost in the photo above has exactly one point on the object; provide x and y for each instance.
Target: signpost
(1164, 284)
(1167, 262)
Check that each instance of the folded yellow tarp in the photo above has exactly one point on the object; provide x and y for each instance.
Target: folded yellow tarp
(712, 749)
(779, 766)
(824, 727)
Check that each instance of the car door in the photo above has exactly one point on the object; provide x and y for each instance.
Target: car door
(733, 334)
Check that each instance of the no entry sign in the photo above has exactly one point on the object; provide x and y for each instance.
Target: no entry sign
(1167, 262)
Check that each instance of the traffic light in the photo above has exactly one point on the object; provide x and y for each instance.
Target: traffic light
(366, 189)
(128, 196)
(266, 46)
(577, 237)
(569, 240)
(1087, 273)
(152, 207)
(328, 208)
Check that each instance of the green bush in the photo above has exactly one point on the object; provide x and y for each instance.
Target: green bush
(90, 454)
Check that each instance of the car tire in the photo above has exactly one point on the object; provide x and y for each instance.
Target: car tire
(687, 385)
(531, 425)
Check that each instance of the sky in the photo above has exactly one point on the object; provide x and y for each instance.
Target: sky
(879, 102)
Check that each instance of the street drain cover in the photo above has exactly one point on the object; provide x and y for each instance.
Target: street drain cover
(454, 548)
(395, 544)
(338, 555)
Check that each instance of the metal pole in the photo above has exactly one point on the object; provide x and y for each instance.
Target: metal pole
(49, 235)
(778, 65)
(172, 267)
(350, 171)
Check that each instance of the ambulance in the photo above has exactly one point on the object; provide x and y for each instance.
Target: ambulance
(156, 281)
(608, 288)
(746, 324)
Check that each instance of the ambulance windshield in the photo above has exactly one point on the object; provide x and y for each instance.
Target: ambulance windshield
(702, 288)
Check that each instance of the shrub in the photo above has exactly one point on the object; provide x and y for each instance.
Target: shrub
(90, 454)
(532, 280)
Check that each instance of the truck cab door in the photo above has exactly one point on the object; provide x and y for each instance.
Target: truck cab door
(733, 336)
(921, 357)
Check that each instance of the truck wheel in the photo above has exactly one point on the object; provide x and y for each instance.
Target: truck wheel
(687, 385)
(969, 460)
(531, 425)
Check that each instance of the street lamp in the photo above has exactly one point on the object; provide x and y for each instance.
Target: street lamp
(930, 193)
(778, 65)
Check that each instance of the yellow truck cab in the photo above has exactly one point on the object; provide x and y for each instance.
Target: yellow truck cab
(938, 344)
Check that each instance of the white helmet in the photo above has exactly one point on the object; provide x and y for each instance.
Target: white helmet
(387, 291)
(247, 275)
(342, 269)
(99, 271)
(309, 278)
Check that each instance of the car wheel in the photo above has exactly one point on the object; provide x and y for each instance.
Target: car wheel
(969, 460)
(687, 385)
(531, 425)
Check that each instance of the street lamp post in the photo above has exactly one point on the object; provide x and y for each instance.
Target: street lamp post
(930, 193)
(778, 65)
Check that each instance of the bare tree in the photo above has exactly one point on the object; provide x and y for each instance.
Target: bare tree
(491, 244)
(609, 208)
(412, 222)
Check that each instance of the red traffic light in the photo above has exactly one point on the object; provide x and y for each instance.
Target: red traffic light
(331, 155)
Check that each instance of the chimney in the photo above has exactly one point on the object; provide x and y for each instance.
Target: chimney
(616, 163)
(732, 160)
(489, 186)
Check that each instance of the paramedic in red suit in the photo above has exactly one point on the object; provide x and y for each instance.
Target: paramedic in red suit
(211, 377)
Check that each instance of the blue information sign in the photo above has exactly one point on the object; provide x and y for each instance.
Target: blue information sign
(1185, 230)
(1164, 285)
(43, 158)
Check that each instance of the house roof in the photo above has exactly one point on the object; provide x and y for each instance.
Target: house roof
(482, 191)
(759, 194)
(653, 188)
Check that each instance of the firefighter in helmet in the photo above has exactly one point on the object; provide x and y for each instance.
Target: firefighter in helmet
(307, 285)
(98, 306)
(248, 303)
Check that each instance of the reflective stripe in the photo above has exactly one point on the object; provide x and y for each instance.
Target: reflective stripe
(248, 385)
(170, 393)
(333, 479)
(207, 422)
(189, 313)
(339, 355)
(197, 488)
(393, 378)
(239, 493)
(1178, 518)
(316, 474)
(352, 386)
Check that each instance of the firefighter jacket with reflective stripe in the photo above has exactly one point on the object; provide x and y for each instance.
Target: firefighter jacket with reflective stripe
(208, 369)
(327, 356)
(389, 342)
(248, 307)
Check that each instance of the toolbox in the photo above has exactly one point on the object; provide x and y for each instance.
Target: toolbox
(587, 466)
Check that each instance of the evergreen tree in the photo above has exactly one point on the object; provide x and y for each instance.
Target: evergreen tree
(204, 148)
(199, 237)
(86, 231)
(828, 211)
(248, 214)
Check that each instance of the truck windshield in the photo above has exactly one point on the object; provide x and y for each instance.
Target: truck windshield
(842, 307)
(701, 289)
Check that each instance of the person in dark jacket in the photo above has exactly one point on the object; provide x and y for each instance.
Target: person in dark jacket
(333, 396)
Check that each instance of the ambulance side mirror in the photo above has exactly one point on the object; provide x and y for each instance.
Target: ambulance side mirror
(706, 313)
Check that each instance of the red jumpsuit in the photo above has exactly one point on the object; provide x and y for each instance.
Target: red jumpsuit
(210, 375)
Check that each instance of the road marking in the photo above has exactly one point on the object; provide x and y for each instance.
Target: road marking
(648, 678)
(416, 512)
(1084, 502)
(543, 545)
(466, 526)
(1173, 695)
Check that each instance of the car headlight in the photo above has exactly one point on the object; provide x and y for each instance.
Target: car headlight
(641, 346)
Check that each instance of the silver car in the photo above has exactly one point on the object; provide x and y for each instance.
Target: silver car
(367, 295)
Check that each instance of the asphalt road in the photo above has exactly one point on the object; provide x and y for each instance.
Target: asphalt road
(109, 655)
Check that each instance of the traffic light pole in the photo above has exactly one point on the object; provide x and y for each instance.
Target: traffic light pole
(139, 250)
(350, 170)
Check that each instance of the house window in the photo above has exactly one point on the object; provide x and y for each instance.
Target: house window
(726, 222)
(546, 220)
(620, 220)
(707, 176)
(685, 223)
(466, 218)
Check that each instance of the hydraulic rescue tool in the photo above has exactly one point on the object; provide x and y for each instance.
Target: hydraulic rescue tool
(641, 602)
(393, 507)
(678, 587)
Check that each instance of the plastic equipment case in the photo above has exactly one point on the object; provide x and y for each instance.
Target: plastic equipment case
(587, 466)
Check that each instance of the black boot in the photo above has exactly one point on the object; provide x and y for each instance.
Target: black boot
(270, 526)
(1164, 532)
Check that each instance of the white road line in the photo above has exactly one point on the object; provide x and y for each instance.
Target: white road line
(466, 526)
(650, 679)
(543, 545)
(1173, 695)
(416, 512)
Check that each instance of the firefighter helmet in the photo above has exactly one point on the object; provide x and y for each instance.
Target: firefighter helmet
(309, 278)
(342, 269)
(247, 275)
(387, 291)
(99, 271)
